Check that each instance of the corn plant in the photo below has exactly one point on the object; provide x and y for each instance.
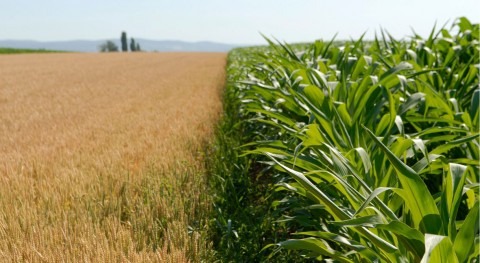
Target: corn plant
(381, 137)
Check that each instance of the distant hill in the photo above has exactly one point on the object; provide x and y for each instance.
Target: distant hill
(145, 44)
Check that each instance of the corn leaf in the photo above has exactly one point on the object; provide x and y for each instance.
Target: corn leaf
(464, 240)
(438, 249)
(418, 199)
(451, 198)
(314, 245)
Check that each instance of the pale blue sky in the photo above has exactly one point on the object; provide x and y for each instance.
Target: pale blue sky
(224, 21)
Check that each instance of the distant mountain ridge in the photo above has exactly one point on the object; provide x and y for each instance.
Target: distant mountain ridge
(145, 44)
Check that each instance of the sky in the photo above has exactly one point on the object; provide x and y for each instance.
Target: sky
(233, 22)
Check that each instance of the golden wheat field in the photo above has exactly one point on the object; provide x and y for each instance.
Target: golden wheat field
(101, 155)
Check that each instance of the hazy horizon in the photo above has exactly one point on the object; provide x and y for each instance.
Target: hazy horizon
(225, 22)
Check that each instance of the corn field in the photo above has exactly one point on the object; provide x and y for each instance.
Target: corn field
(373, 145)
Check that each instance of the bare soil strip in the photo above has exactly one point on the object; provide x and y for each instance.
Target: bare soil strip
(100, 155)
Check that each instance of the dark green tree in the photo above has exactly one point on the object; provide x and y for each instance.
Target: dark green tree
(123, 39)
(138, 47)
(108, 46)
(132, 45)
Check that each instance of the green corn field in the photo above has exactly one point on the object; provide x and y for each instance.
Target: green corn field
(368, 151)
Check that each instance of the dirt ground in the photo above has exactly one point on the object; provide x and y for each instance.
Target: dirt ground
(101, 155)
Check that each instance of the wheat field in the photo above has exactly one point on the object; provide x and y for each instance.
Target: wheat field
(101, 155)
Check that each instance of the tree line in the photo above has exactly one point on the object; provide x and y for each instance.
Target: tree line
(110, 46)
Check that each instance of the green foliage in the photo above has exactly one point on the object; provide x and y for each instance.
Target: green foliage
(108, 46)
(373, 146)
(25, 51)
(243, 221)
(133, 46)
(123, 40)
